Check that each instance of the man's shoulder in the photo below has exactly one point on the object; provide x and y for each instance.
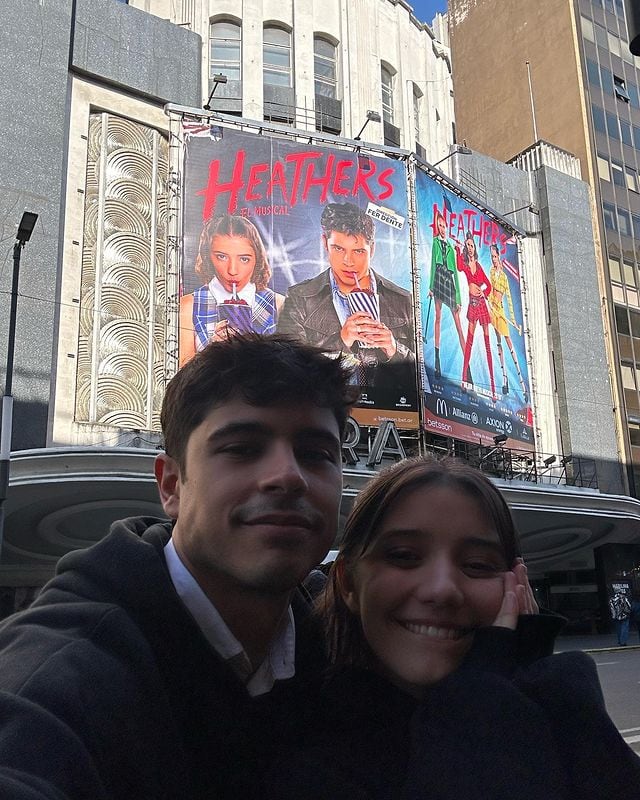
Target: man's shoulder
(391, 287)
(311, 286)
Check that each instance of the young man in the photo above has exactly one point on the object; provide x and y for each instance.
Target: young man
(132, 675)
(318, 310)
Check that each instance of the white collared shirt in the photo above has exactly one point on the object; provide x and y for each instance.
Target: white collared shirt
(247, 293)
(280, 661)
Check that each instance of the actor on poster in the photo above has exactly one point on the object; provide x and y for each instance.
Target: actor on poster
(349, 307)
(236, 296)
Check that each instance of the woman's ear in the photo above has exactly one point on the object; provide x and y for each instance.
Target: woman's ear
(346, 587)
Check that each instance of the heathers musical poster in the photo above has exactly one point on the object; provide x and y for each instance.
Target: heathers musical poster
(476, 382)
(300, 239)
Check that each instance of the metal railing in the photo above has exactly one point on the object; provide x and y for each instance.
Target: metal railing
(521, 465)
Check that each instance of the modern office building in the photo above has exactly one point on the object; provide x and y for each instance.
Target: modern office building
(562, 71)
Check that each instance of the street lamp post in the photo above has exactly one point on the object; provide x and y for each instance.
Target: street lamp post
(25, 229)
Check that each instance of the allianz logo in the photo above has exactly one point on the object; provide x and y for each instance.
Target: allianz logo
(443, 410)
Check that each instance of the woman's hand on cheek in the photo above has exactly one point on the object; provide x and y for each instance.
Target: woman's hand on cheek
(509, 610)
(526, 599)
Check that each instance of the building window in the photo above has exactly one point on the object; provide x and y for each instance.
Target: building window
(622, 321)
(625, 133)
(627, 373)
(599, 120)
(620, 89)
(612, 126)
(624, 222)
(325, 71)
(635, 219)
(618, 173)
(386, 79)
(614, 270)
(593, 73)
(634, 433)
(610, 217)
(632, 179)
(225, 48)
(629, 273)
(277, 57)
(603, 169)
(587, 29)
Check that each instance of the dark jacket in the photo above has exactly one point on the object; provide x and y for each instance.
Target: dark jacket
(108, 689)
(309, 315)
(507, 724)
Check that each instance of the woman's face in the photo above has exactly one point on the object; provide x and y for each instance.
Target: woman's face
(233, 259)
(433, 575)
(495, 258)
(471, 248)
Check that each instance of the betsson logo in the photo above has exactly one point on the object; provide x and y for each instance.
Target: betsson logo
(440, 426)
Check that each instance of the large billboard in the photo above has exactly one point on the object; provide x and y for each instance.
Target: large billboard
(302, 239)
(476, 381)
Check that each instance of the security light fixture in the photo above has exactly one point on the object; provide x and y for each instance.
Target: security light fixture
(217, 80)
(530, 207)
(459, 150)
(549, 461)
(372, 116)
(26, 226)
(501, 438)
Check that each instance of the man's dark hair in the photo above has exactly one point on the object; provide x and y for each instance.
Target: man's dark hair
(347, 218)
(264, 371)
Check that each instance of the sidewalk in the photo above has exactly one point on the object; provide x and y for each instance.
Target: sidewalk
(593, 643)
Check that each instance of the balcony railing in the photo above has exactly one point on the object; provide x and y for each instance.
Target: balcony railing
(521, 465)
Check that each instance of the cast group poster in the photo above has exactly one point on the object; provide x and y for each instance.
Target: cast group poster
(301, 239)
(476, 382)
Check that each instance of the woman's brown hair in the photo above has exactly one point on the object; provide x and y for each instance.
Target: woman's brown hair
(229, 225)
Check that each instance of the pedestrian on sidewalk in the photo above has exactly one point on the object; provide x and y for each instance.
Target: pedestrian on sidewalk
(620, 609)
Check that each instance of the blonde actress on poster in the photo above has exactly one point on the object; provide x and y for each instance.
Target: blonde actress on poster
(499, 290)
(236, 296)
(477, 311)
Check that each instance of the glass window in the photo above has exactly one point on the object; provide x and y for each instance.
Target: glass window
(386, 78)
(627, 373)
(610, 219)
(634, 433)
(622, 320)
(587, 29)
(636, 136)
(276, 54)
(603, 169)
(620, 88)
(633, 95)
(618, 173)
(629, 273)
(325, 67)
(635, 324)
(601, 36)
(607, 79)
(635, 219)
(599, 122)
(225, 47)
(614, 44)
(612, 126)
(625, 133)
(614, 270)
(632, 180)
(593, 73)
(624, 222)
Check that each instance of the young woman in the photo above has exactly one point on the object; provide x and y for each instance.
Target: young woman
(477, 311)
(499, 290)
(443, 684)
(233, 262)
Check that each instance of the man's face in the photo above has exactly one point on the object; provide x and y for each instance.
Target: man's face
(442, 227)
(257, 502)
(349, 256)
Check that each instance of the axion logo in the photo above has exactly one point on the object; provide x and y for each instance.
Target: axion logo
(442, 409)
(492, 422)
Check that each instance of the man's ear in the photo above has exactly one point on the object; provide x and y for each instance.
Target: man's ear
(372, 249)
(167, 474)
(325, 244)
(346, 587)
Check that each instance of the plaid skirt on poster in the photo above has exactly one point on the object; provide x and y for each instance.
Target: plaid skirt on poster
(443, 287)
(478, 310)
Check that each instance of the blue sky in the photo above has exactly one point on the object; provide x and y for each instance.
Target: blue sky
(425, 10)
